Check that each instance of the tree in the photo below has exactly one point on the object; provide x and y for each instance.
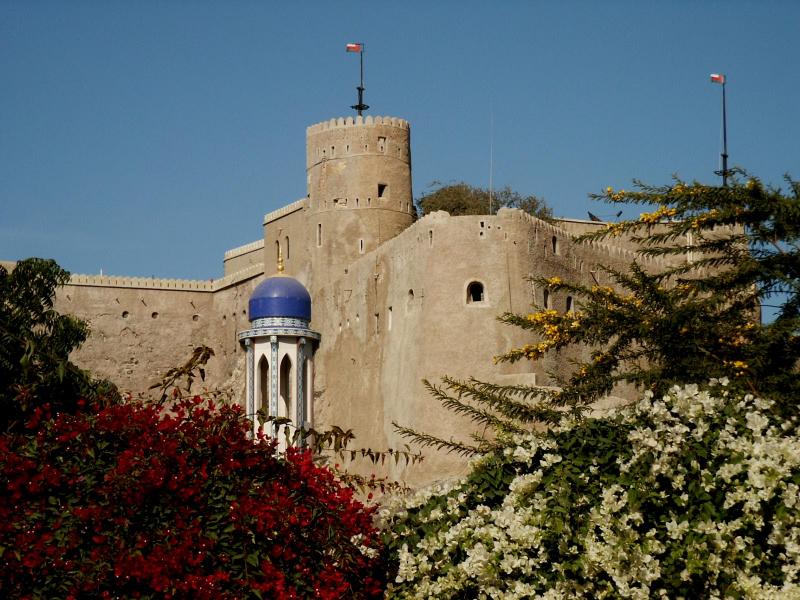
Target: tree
(139, 500)
(699, 318)
(464, 199)
(35, 343)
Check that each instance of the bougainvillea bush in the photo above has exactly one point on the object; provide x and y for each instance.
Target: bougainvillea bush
(695, 494)
(133, 500)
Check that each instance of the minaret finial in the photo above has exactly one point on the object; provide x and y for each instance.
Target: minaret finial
(280, 259)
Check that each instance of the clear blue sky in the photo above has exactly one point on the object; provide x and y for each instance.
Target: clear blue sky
(146, 138)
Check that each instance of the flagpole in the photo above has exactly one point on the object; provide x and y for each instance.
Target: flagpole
(724, 140)
(361, 106)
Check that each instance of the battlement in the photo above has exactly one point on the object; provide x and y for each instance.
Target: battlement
(156, 283)
(359, 121)
(605, 247)
(244, 249)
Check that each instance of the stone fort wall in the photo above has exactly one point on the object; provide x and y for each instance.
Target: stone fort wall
(396, 300)
(402, 314)
(142, 327)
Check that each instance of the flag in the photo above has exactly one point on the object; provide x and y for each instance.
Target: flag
(717, 78)
(353, 47)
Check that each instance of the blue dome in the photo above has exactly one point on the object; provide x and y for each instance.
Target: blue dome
(280, 296)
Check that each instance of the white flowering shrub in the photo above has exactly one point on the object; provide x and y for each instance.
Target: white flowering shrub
(694, 495)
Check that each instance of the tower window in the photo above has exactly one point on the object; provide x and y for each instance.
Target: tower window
(277, 250)
(361, 246)
(569, 304)
(555, 245)
(475, 292)
(319, 234)
(389, 320)
(287, 247)
(430, 237)
(381, 144)
(546, 298)
(383, 190)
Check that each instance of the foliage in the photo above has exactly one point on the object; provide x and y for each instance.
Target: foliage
(735, 248)
(500, 409)
(696, 494)
(142, 500)
(464, 199)
(35, 343)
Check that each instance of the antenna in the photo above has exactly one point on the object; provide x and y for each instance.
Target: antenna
(491, 157)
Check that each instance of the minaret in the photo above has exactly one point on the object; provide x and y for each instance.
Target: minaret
(280, 352)
(359, 187)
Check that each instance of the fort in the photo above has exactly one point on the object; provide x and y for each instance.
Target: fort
(395, 299)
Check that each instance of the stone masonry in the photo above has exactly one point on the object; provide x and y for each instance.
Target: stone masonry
(397, 300)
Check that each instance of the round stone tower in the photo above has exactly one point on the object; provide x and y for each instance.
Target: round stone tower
(359, 186)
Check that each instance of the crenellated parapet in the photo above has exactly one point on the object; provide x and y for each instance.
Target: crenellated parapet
(156, 283)
(357, 122)
(336, 139)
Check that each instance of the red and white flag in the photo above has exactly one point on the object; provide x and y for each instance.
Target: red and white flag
(353, 47)
(717, 78)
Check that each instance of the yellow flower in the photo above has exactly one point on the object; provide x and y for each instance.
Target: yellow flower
(554, 281)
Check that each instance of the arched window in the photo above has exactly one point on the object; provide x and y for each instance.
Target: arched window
(303, 404)
(287, 247)
(555, 245)
(474, 292)
(285, 388)
(277, 250)
(546, 298)
(262, 377)
(569, 304)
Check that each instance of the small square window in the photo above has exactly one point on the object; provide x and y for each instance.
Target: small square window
(383, 190)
